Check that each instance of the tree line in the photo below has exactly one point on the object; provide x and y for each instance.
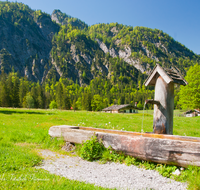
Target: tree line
(17, 91)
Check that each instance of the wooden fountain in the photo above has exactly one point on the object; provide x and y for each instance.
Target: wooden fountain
(163, 80)
(160, 146)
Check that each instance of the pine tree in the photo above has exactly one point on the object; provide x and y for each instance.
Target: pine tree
(66, 103)
(16, 100)
(40, 96)
(9, 88)
(4, 95)
(23, 89)
(59, 95)
(86, 101)
(34, 95)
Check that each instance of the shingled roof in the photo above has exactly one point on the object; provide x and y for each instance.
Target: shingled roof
(169, 75)
(118, 107)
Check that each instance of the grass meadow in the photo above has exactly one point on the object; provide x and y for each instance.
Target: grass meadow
(23, 132)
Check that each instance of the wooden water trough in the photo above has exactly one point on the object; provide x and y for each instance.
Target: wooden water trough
(160, 148)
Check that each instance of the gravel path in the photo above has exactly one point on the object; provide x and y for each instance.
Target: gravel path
(111, 175)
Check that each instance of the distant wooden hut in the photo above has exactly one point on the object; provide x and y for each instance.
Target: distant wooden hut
(125, 108)
(192, 113)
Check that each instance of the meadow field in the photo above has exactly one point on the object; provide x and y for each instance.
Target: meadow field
(23, 132)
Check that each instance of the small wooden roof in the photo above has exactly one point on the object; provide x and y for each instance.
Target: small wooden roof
(188, 112)
(197, 110)
(118, 107)
(169, 75)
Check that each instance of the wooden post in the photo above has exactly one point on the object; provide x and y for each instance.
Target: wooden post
(163, 113)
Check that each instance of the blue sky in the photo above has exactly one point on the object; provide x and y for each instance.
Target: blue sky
(178, 18)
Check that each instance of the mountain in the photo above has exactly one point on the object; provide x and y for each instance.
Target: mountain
(64, 19)
(42, 46)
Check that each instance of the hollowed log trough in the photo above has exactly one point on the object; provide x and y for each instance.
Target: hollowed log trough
(159, 148)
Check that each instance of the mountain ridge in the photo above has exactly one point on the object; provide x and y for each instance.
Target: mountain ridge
(42, 46)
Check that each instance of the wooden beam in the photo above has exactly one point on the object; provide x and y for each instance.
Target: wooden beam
(151, 101)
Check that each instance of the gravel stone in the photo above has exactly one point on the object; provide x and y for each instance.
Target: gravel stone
(110, 175)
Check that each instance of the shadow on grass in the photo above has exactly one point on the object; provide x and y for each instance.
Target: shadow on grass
(9, 112)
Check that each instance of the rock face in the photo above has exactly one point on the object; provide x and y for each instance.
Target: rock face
(26, 46)
(111, 51)
(125, 55)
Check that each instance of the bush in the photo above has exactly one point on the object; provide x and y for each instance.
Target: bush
(92, 149)
(29, 101)
(53, 105)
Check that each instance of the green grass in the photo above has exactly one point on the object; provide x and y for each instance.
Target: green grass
(23, 131)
